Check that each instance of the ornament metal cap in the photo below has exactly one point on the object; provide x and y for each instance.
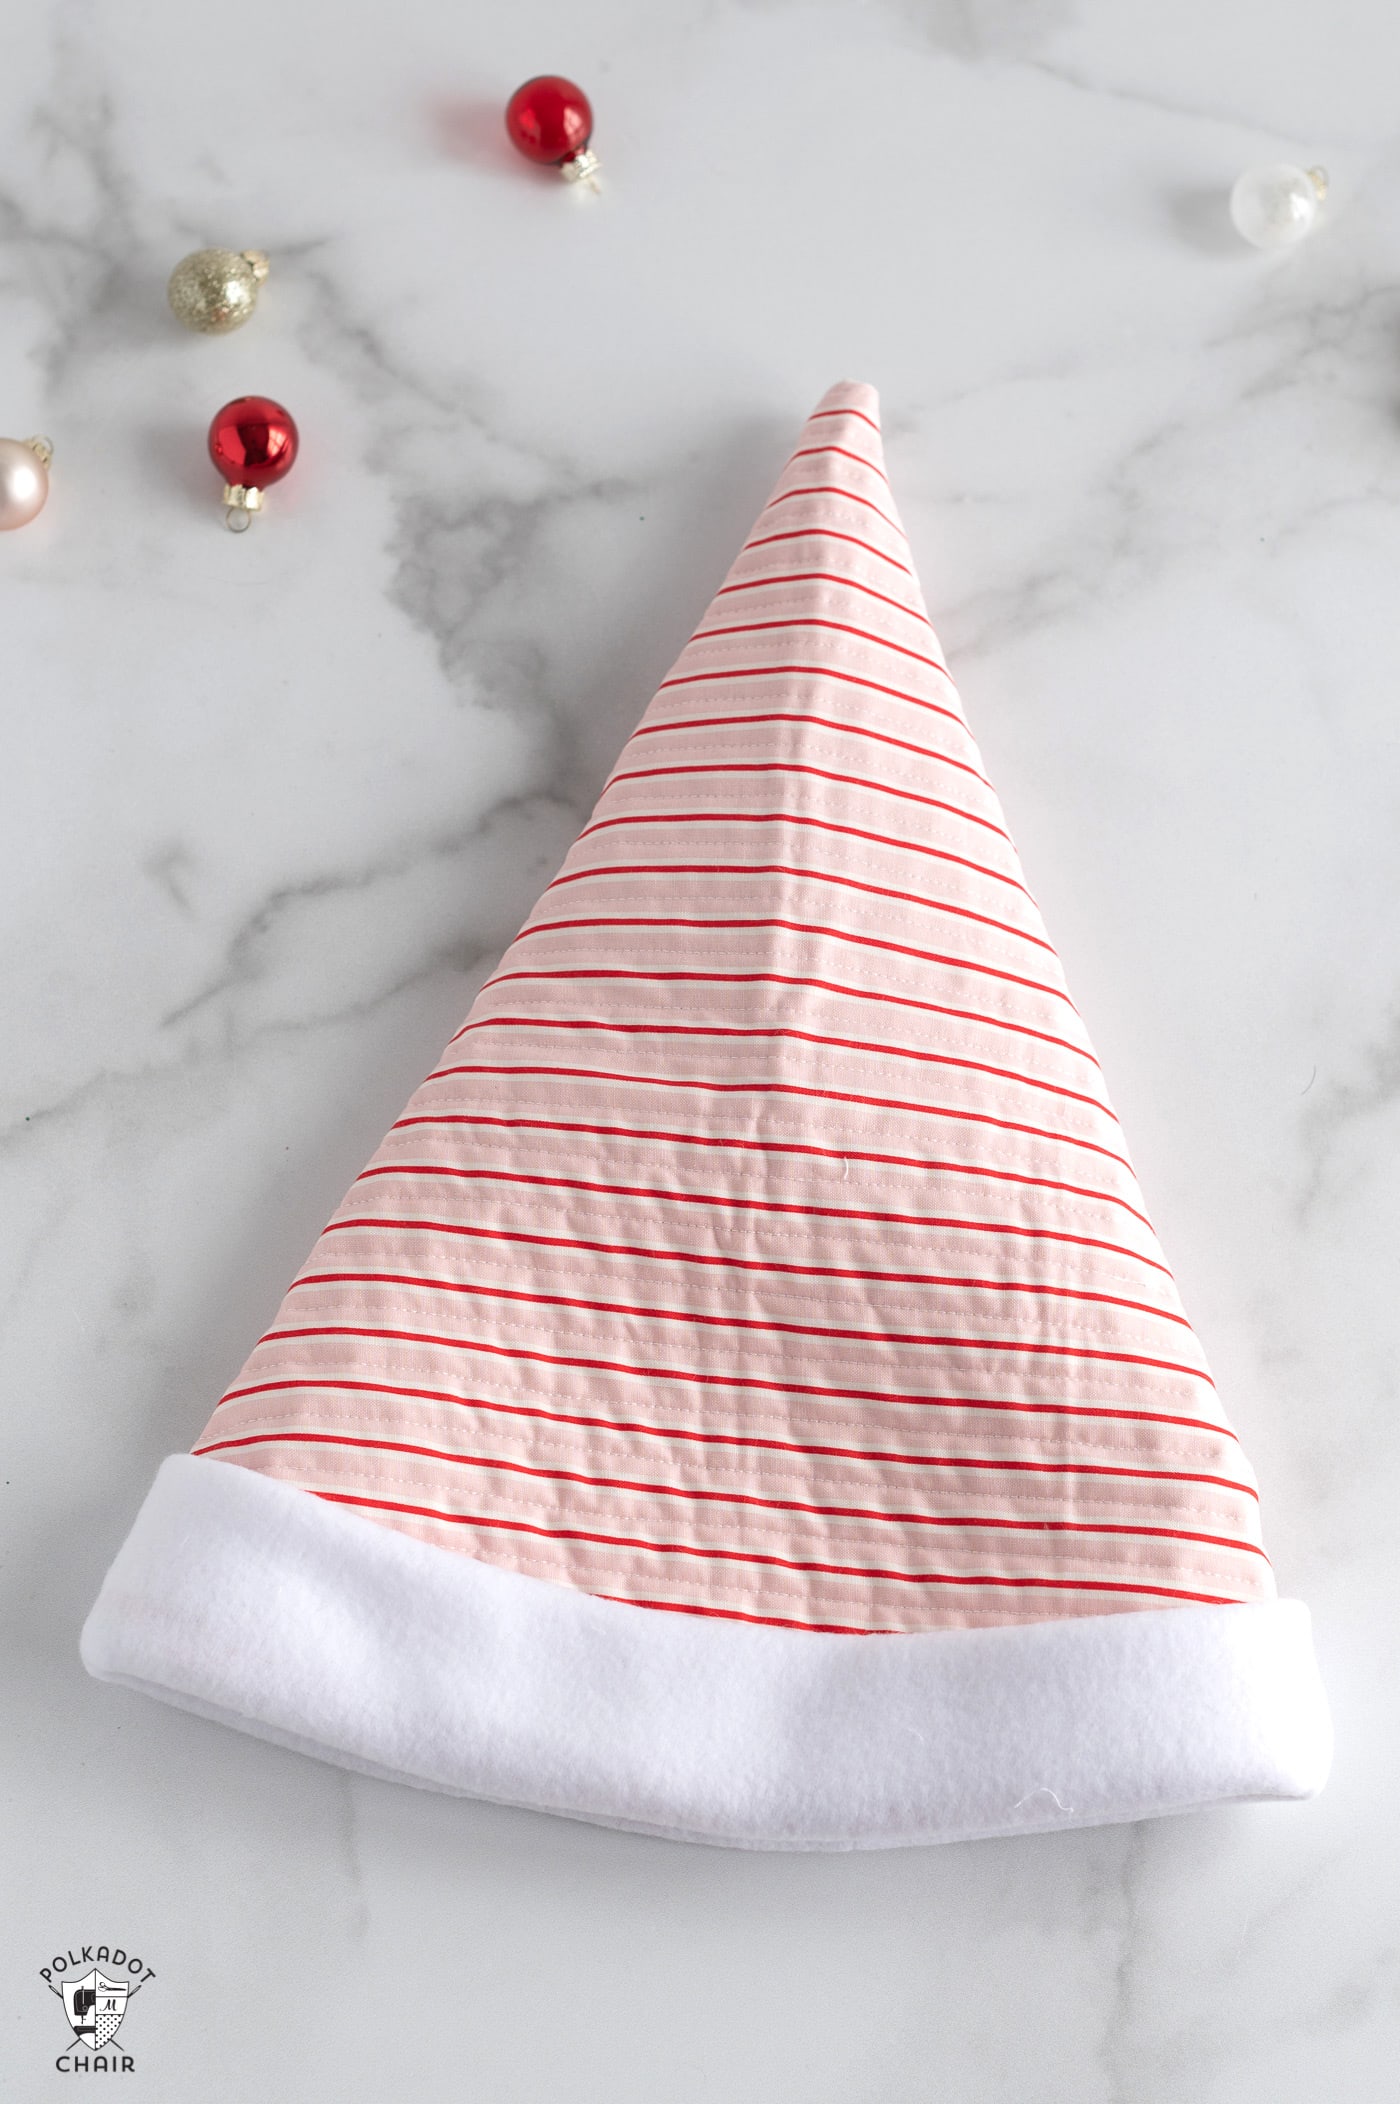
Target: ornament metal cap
(215, 290)
(582, 168)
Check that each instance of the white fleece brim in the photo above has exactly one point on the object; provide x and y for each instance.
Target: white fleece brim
(245, 1600)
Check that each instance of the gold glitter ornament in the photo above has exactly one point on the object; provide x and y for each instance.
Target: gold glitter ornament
(216, 289)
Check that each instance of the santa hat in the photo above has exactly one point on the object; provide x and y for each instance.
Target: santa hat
(744, 1397)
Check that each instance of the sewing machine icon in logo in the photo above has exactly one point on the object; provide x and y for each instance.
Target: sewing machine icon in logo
(95, 2007)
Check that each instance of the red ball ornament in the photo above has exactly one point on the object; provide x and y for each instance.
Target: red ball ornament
(253, 443)
(551, 121)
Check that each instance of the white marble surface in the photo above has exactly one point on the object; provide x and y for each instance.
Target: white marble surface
(271, 807)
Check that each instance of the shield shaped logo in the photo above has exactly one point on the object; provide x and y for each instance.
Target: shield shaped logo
(95, 2007)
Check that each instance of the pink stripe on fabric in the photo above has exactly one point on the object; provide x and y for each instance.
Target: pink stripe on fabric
(441, 1346)
(805, 876)
(703, 1200)
(674, 1142)
(847, 583)
(843, 496)
(866, 635)
(945, 1341)
(826, 723)
(881, 1457)
(805, 1037)
(865, 783)
(733, 675)
(661, 1548)
(674, 1083)
(672, 819)
(793, 927)
(825, 986)
(653, 1489)
(827, 533)
(644, 1254)
(843, 453)
(845, 409)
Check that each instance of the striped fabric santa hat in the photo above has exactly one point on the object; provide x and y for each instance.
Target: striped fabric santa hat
(744, 1398)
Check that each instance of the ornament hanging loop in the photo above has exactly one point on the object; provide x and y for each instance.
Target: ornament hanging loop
(241, 505)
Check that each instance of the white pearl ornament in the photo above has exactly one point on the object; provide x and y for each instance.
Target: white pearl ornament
(24, 480)
(1277, 207)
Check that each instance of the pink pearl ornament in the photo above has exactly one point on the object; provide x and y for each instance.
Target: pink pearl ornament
(24, 480)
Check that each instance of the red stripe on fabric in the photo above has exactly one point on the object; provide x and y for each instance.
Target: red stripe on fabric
(816, 413)
(792, 927)
(829, 986)
(667, 1083)
(826, 723)
(817, 825)
(866, 635)
(809, 876)
(758, 1205)
(734, 1614)
(723, 1263)
(802, 767)
(834, 489)
(807, 453)
(830, 1570)
(739, 1380)
(633, 1428)
(845, 679)
(826, 533)
(695, 1495)
(473, 1289)
(804, 1147)
(854, 584)
(805, 1037)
